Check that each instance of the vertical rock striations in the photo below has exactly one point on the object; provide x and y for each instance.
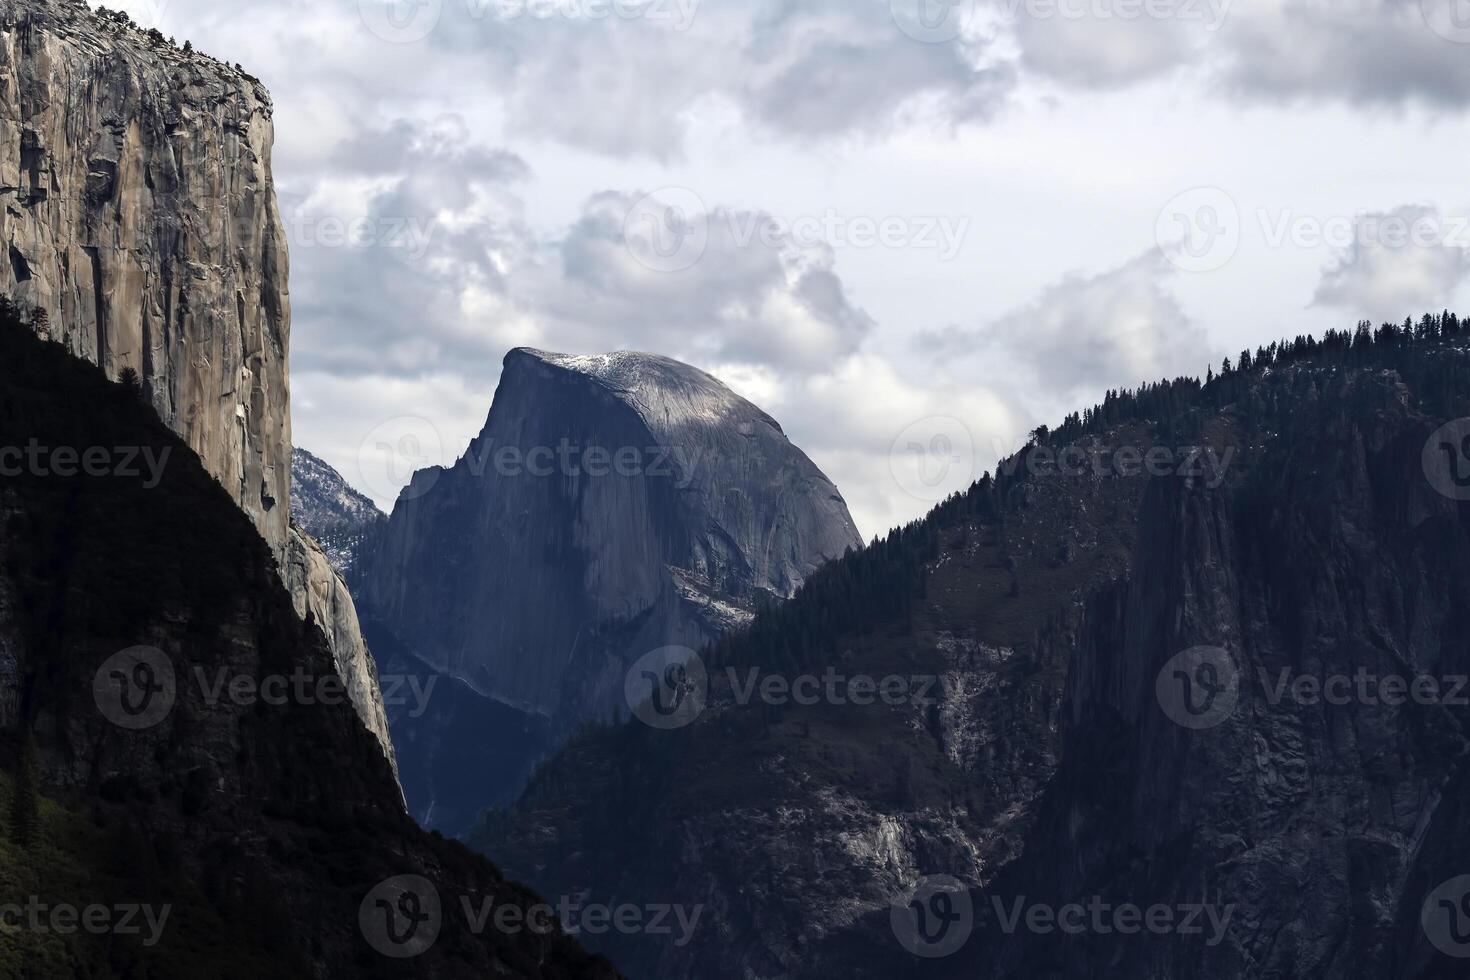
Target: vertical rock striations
(612, 505)
(137, 207)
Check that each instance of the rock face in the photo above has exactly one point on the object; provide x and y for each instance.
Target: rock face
(320, 596)
(137, 207)
(1055, 760)
(326, 507)
(328, 522)
(1320, 806)
(613, 505)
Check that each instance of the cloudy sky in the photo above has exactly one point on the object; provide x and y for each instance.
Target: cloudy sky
(912, 230)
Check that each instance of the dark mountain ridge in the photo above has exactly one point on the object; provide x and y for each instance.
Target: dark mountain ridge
(1045, 602)
(264, 828)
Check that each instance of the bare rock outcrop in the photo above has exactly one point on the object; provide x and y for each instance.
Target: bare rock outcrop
(320, 596)
(613, 505)
(137, 206)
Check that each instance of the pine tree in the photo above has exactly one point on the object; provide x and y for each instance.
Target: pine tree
(129, 380)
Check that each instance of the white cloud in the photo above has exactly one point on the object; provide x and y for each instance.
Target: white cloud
(376, 430)
(873, 430)
(1401, 263)
(1084, 334)
(1077, 42)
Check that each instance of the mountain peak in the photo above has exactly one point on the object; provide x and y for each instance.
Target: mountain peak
(613, 505)
(666, 392)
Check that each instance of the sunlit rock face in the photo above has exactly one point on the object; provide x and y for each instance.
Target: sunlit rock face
(612, 505)
(137, 206)
(321, 597)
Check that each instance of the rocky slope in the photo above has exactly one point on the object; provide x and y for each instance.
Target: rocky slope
(1054, 760)
(612, 506)
(139, 210)
(183, 740)
(321, 598)
(327, 508)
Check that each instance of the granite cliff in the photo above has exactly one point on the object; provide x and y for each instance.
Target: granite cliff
(612, 506)
(1315, 793)
(321, 597)
(138, 210)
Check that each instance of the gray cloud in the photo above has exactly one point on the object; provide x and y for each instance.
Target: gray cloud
(1401, 263)
(1383, 52)
(1362, 52)
(445, 274)
(811, 70)
(764, 302)
(1092, 51)
(412, 222)
(628, 86)
(389, 323)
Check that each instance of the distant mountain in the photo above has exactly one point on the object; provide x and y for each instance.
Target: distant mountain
(613, 506)
(327, 507)
(1102, 663)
